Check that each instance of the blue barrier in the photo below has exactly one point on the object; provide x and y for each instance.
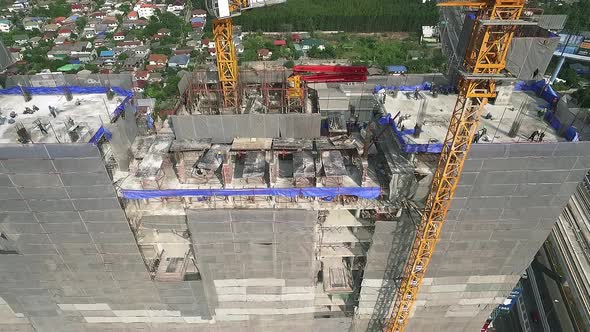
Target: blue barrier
(570, 133)
(404, 146)
(102, 131)
(426, 86)
(326, 193)
(16, 90)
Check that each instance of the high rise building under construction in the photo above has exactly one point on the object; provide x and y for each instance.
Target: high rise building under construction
(280, 215)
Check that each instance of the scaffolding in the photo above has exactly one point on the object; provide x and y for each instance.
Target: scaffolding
(260, 91)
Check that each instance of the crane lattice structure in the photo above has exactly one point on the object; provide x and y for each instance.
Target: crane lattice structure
(484, 63)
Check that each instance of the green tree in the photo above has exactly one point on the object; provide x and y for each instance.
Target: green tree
(81, 23)
(571, 77)
(123, 57)
(583, 97)
(289, 64)
(93, 68)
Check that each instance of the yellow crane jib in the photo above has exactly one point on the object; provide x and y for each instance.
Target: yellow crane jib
(227, 60)
(484, 62)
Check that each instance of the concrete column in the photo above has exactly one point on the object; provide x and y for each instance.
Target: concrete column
(557, 70)
(357, 213)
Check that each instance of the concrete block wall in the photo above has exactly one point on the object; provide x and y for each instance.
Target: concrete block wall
(507, 201)
(78, 263)
(255, 263)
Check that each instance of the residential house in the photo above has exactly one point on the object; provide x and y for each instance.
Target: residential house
(88, 32)
(198, 26)
(99, 41)
(21, 39)
(296, 38)
(158, 60)
(264, 54)
(280, 42)
(77, 8)
(199, 13)
(51, 27)
(118, 36)
(183, 51)
(127, 44)
(155, 78)
(310, 43)
(132, 63)
(31, 23)
(163, 32)
(141, 75)
(15, 53)
(139, 86)
(106, 54)
(18, 6)
(179, 61)
(81, 50)
(111, 23)
(98, 15)
(59, 20)
(101, 29)
(34, 41)
(145, 10)
(60, 40)
(64, 32)
(176, 8)
(142, 51)
(49, 36)
(132, 16)
(5, 25)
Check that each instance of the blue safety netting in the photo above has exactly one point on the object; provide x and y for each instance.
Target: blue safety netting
(326, 193)
(544, 90)
(102, 131)
(404, 146)
(540, 88)
(426, 86)
(16, 90)
(570, 132)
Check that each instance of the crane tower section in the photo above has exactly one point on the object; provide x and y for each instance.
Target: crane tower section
(483, 64)
(227, 60)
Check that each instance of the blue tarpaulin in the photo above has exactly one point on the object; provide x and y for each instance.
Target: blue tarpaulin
(541, 89)
(397, 69)
(544, 90)
(327, 193)
(102, 131)
(149, 121)
(16, 90)
(426, 86)
(410, 148)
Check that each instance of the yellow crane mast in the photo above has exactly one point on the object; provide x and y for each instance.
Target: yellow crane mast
(227, 59)
(483, 64)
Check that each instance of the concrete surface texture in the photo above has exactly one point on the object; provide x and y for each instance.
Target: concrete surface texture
(437, 114)
(93, 111)
(506, 204)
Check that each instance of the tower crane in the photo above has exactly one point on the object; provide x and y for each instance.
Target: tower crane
(484, 63)
(227, 60)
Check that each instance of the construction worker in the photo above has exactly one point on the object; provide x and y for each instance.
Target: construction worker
(533, 136)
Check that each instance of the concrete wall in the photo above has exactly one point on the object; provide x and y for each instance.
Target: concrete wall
(224, 128)
(505, 206)
(256, 263)
(78, 263)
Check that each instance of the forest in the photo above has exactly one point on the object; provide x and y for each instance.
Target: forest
(342, 15)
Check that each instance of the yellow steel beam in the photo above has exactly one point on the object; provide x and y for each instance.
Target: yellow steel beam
(486, 54)
(227, 63)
